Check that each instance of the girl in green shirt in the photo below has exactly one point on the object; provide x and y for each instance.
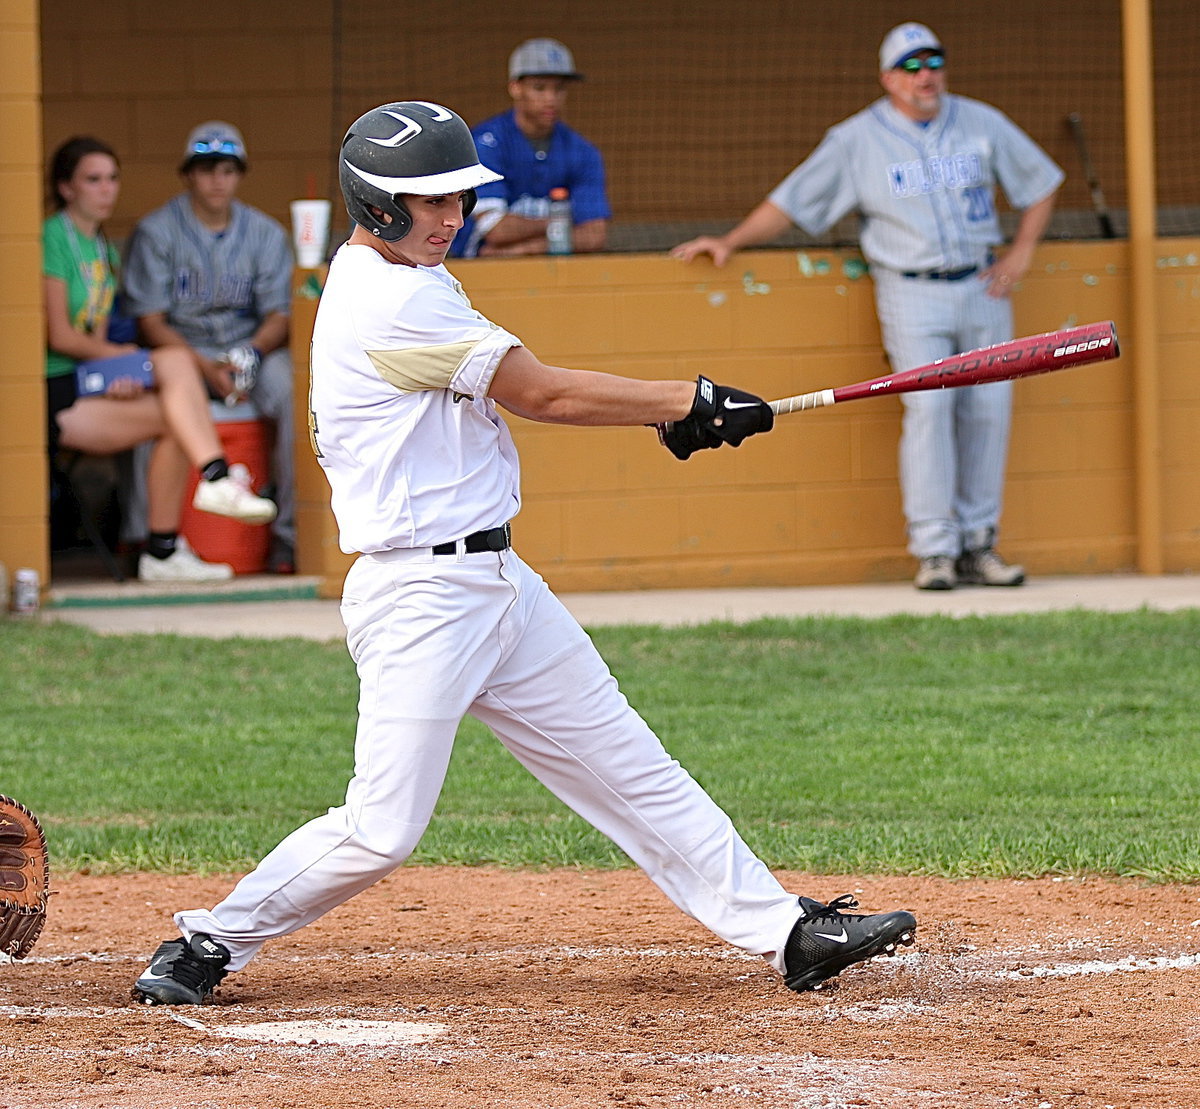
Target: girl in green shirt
(79, 275)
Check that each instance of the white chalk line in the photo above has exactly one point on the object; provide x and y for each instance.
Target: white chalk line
(1095, 966)
(917, 962)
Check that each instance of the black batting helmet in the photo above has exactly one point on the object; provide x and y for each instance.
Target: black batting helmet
(407, 147)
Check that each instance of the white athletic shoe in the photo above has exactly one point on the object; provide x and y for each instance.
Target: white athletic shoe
(183, 565)
(231, 496)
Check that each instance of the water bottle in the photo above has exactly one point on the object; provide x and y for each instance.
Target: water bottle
(558, 226)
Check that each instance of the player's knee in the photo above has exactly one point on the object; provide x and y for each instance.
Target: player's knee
(389, 841)
(174, 363)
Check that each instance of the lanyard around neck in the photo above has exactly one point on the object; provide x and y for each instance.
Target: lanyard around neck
(95, 291)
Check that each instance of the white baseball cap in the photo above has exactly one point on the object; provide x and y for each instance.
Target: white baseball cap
(542, 58)
(903, 42)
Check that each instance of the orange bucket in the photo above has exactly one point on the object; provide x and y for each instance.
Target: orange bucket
(217, 538)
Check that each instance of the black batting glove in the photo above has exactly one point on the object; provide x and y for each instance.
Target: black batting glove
(719, 415)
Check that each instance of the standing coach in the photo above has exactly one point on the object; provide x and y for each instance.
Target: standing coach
(920, 167)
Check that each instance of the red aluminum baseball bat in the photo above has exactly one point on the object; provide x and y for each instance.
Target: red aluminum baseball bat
(1033, 354)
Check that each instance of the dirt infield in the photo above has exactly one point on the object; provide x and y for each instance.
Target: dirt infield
(464, 988)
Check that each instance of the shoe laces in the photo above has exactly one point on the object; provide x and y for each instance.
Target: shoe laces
(833, 909)
(195, 973)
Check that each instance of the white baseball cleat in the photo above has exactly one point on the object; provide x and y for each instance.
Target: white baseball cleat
(231, 496)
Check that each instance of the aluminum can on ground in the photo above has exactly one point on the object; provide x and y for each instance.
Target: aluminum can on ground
(27, 591)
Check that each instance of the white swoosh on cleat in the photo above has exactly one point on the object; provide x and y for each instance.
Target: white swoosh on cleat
(839, 937)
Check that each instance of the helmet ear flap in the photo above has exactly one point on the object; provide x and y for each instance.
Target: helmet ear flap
(468, 202)
(401, 223)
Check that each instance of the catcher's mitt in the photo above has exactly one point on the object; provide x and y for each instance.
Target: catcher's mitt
(24, 878)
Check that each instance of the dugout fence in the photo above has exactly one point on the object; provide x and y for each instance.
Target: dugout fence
(701, 107)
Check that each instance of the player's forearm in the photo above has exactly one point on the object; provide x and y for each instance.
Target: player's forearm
(1031, 227)
(762, 225)
(513, 230)
(589, 236)
(80, 345)
(555, 395)
(588, 399)
(272, 333)
(156, 332)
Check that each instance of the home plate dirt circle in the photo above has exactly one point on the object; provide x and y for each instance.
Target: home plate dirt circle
(470, 988)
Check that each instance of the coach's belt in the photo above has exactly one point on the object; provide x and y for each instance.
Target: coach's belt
(494, 539)
(943, 275)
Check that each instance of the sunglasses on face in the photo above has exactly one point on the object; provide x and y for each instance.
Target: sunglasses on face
(216, 146)
(915, 65)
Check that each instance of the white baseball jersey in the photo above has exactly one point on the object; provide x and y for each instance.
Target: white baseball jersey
(926, 193)
(415, 452)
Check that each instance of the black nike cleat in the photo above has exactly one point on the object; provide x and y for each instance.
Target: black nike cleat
(825, 940)
(182, 972)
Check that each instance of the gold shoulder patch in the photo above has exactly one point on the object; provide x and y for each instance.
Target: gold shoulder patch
(416, 369)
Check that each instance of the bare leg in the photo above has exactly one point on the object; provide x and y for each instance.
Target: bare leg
(176, 414)
(102, 425)
(105, 425)
(185, 405)
(166, 480)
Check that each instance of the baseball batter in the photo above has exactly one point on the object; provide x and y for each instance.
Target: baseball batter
(920, 167)
(443, 618)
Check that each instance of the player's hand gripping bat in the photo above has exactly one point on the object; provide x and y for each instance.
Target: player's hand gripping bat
(1034, 354)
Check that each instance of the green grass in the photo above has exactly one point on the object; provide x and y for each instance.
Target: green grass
(1008, 746)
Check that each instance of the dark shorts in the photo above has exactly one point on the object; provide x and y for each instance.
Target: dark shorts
(61, 393)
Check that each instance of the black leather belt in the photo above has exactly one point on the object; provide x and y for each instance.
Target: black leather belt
(943, 275)
(494, 539)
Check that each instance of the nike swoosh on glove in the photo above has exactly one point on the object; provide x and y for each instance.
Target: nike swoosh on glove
(719, 414)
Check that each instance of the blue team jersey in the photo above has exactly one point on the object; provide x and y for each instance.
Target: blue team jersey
(570, 162)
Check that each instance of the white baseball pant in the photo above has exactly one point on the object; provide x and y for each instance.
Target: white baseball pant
(437, 637)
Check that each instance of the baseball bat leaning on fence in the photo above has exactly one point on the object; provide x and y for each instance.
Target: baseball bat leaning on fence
(1075, 122)
(1033, 354)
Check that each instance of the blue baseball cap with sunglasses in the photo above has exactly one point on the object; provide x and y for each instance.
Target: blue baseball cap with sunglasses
(213, 141)
(902, 44)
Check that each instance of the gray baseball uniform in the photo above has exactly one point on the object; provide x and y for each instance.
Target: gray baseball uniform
(215, 289)
(926, 197)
